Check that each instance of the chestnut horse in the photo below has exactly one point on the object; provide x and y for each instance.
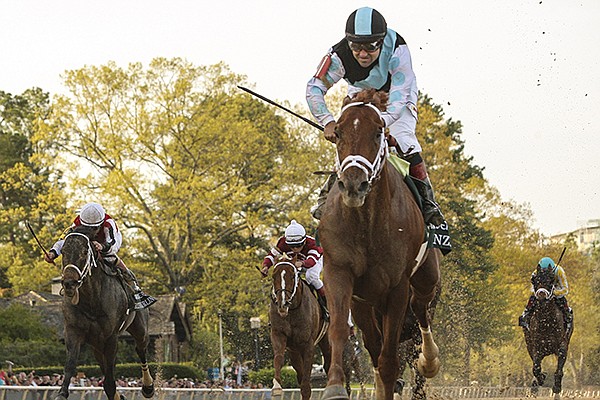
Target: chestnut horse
(547, 334)
(372, 232)
(296, 326)
(95, 308)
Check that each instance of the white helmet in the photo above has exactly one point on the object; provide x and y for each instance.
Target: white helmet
(92, 214)
(295, 235)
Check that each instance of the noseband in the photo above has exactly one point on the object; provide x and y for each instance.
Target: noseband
(371, 169)
(89, 263)
(285, 301)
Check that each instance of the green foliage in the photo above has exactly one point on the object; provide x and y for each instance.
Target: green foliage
(265, 376)
(25, 339)
(20, 322)
(30, 189)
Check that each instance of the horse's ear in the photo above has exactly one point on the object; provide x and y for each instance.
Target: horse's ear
(347, 100)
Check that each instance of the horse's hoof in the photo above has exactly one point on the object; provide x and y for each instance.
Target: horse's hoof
(335, 392)
(120, 396)
(60, 397)
(428, 368)
(276, 392)
(148, 391)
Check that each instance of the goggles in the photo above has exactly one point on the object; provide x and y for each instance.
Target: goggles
(368, 47)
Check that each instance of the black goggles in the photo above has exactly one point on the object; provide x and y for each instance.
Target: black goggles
(368, 47)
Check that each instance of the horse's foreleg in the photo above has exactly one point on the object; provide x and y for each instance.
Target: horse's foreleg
(73, 344)
(424, 285)
(302, 363)
(388, 361)
(278, 341)
(365, 319)
(108, 360)
(338, 288)
(539, 376)
(558, 374)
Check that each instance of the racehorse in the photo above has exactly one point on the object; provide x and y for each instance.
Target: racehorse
(372, 232)
(547, 334)
(297, 325)
(95, 308)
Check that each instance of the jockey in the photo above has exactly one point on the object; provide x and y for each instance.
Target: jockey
(295, 242)
(107, 241)
(372, 56)
(559, 291)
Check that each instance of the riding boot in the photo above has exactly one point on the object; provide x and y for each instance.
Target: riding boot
(317, 210)
(566, 311)
(431, 210)
(569, 318)
(526, 316)
(322, 299)
(140, 299)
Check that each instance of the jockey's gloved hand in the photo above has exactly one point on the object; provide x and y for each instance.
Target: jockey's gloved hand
(50, 256)
(264, 271)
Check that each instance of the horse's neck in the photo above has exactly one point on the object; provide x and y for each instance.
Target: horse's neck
(390, 191)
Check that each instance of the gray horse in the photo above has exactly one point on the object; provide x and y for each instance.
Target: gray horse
(96, 310)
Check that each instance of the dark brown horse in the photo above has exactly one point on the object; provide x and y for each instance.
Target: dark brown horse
(372, 231)
(296, 326)
(95, 307)
(547, 333)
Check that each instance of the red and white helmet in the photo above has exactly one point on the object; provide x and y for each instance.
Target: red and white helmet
(92, 214)
(295, 234)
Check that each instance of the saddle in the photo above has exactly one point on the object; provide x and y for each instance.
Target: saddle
(435, 236)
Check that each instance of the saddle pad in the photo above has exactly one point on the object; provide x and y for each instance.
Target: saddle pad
(400, 164)
(438, 237)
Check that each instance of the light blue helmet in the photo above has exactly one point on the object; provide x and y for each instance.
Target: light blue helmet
(547, 263)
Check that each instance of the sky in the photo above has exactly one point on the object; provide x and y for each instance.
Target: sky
(522, 76)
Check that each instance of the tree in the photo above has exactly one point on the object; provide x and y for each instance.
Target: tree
(30, 189)
(465, 317)
(200, 175)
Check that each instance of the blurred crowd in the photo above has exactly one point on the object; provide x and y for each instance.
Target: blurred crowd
(32, 379)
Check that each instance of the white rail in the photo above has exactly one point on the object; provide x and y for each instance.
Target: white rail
(96, 393)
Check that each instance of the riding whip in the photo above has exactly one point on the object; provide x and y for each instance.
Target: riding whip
(37, 240)
(561, 255)
(308, 121)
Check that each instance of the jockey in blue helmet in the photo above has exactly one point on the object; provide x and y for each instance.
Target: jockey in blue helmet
(373, 56)
(560, 290)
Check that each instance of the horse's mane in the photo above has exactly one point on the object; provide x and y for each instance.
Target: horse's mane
(378, 99)
(85, 230)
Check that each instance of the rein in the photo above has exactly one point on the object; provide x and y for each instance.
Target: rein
(89, 263)
(371, 169)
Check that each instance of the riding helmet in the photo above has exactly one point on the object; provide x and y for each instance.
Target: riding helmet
(295, 235)
(365, 25)
(92, 214)
(547, 263)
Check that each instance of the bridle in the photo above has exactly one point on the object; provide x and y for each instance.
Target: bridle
(283, 292)
(371, 169)
(89, 263)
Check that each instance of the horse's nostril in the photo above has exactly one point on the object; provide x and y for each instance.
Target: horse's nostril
(363, 187)
(340, 184)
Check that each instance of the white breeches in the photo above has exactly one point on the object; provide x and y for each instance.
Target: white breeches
(403, 130)
(313, 274)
